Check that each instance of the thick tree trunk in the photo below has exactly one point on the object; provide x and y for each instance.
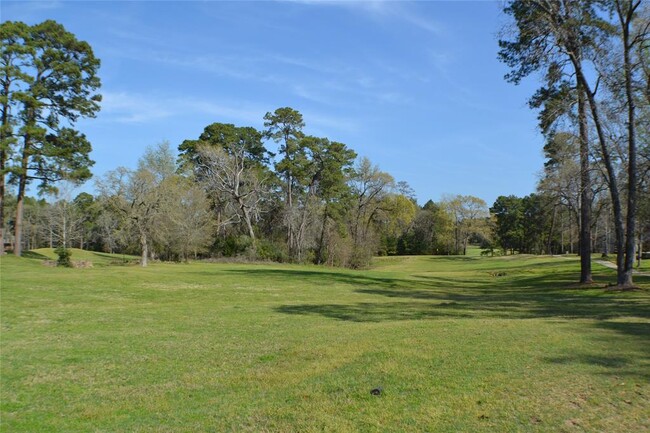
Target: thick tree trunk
(144, 257)
(611, 177)
(247, 218)
(20, 201)
(585, 193)
(625, 279)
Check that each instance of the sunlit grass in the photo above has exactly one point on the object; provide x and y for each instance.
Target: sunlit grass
(473, 344)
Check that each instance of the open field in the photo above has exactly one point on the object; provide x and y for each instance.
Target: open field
(458, 344)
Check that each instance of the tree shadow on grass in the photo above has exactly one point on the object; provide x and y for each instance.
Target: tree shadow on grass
(548, 295)
(526, 298)
(34, 255)
(476, 307)
(320, 278)
(523, 296)
(635, 364)
(545, 295)
(373, 312)
(620, 321)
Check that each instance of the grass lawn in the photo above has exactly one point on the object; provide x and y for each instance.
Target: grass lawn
(457, 344)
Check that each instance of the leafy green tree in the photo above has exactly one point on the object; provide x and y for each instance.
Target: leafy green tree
(49, 82)
(397, 216)
(13, 53)
(88, 210)
(536, 221)
(508, 212)
(369, 188)
(468, 214)
(284, 126)
(234, 140)
(324, 172)
(230, 162)
(430, 232)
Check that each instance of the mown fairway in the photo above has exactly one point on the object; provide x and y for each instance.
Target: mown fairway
(458, 344)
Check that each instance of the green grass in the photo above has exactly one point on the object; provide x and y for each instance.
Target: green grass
(458, 344)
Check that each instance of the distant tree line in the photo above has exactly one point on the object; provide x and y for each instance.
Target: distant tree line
(225, 196)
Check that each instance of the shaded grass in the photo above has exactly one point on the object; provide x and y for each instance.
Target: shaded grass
(227, 347)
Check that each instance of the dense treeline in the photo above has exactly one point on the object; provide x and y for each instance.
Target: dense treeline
(228, 195)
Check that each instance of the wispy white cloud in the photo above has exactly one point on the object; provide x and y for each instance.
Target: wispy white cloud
(384, 10)
(122, 107)
(125, 107)
(129, 108)
(28, 11)
(323, 124)
(330, 81)
(27, 8)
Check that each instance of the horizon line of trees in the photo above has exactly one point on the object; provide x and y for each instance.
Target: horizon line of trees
(224, 195)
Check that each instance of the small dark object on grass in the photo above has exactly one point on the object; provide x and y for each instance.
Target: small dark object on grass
(376, 391)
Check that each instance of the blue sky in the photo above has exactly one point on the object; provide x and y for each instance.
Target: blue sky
(414, 86)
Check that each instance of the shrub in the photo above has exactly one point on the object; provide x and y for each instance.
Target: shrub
(64, 257)
(272, 251)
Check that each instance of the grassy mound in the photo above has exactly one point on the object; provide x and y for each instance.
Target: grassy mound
(96, 258)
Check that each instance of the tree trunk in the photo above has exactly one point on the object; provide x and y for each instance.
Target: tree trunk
(585, 193)
(20, 201)
(289, 216)
(145, 249)
(611, 178)
(3, 158)
(4, 136)
(625, 279)
(640, 255)
(247, 218)
(324, 230)
(550, 232)
(319, 254)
